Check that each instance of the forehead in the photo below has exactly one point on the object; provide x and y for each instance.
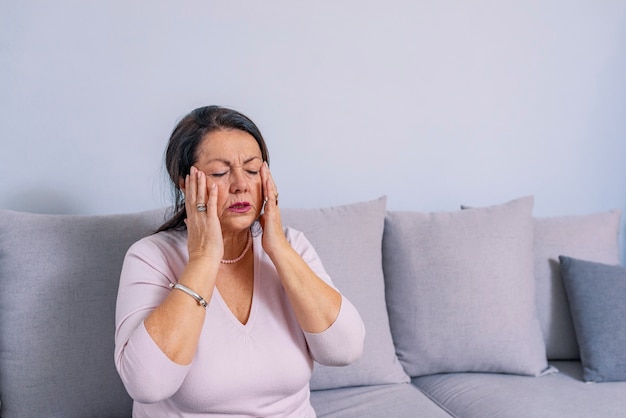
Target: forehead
(228, 145)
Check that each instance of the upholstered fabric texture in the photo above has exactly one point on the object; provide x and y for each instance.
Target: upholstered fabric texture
(597, 299)
(591, 237)
(560, 395)
(376, 401)
(348, 240)
(59, 276)
(461, 292)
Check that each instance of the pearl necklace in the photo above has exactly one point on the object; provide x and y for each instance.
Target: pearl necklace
(245, 250)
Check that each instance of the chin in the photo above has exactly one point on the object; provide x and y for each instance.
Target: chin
(239, 222)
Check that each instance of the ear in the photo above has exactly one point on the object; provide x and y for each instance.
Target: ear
(181, 184)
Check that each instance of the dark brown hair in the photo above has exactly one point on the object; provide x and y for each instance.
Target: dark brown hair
(181, 152)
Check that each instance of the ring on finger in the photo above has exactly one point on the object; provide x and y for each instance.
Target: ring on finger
(201, 207)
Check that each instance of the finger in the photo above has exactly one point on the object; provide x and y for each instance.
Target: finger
(212, 193)
(189, 197)
(212, 199)
(201, 188)
(264, 180)
(263, 185)
(191, 187)
(271, 192)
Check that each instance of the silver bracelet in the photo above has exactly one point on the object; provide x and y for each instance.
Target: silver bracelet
(191, 293)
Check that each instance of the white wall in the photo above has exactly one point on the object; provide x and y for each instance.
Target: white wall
(431, 103)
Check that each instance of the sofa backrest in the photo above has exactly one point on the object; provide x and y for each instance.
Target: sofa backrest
(59, 276)
(438, 265)
(593, 237)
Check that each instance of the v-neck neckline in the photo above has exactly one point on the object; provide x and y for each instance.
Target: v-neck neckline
(255, 291)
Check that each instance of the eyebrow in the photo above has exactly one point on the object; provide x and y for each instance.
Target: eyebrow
(249, 160)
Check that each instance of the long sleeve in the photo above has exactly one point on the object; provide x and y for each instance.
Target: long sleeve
(148, 375)
(342, 343)
(149, 267)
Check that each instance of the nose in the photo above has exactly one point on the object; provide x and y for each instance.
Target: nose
(238, 181)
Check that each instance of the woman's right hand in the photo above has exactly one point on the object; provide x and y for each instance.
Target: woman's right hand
(206, 248)
(204, 230)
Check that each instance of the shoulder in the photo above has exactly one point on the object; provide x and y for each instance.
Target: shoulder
(309, 252)
(164, 242)
(292, 232)
(295, 237)
(163, 252)
(300, 242)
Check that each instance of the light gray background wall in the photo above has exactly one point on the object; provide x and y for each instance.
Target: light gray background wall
(432, 103)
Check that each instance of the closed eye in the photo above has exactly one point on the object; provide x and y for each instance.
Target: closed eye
(218, 174)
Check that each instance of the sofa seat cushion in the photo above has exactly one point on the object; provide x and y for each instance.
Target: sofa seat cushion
(401, 400)
(565, 394)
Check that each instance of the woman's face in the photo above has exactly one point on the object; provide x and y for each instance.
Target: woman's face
(232, 160)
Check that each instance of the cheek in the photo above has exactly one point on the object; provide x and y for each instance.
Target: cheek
(258, 191)
(222, 193)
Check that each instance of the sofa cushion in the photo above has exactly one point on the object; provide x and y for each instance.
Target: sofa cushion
(348, 240)
(560, 395)
(461, 290)
(597, 298)
(401, 400)
(591, 237)
(59, 276)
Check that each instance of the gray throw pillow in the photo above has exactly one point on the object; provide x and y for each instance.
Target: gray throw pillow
(348, 240)
(461, 292)
(59, 276)
(597, 299)
(592, 237)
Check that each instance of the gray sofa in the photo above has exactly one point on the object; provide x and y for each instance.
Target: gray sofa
(466, 311)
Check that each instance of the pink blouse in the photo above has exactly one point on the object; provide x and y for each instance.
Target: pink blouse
(260, 369)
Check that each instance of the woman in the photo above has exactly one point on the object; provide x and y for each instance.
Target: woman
(222, 311)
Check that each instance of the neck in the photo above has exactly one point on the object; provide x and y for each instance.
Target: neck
(244, 251)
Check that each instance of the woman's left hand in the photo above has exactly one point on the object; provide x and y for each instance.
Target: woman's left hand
(315, 303)
(273, 235)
